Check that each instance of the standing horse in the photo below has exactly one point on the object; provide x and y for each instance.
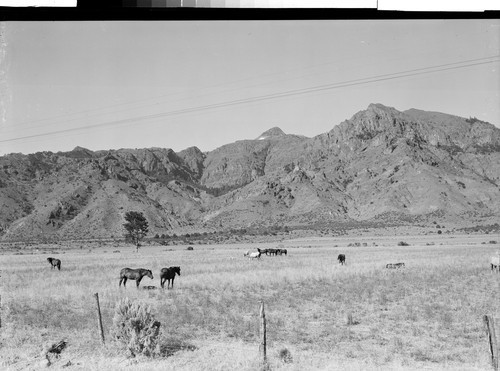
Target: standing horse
(54, 263)
(255, 255)
(168, 274)
(495, 263)
(341, 259)
(134, 274)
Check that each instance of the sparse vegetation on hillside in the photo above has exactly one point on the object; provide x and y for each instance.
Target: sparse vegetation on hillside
(381, 166)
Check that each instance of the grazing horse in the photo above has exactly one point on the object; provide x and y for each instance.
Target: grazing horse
(255, 255)
(341, 259)
(134, 274)
(395, 266)
(54, 263)
(284, 251)
(495, 263)
(272, 252)
(168, 274)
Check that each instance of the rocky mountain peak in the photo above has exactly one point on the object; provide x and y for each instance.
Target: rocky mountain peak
(273, 132)
(380, 165)
(79, 152)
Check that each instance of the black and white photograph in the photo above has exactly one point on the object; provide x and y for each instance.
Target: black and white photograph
(250, 194)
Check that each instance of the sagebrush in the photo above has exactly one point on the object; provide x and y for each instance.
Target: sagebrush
(135, 327)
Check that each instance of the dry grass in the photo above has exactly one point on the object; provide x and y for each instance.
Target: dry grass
(427, 315)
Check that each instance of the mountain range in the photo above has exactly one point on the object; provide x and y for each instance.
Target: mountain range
(381, 165)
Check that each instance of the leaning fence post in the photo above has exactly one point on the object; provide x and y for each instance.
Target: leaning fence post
(99, 319)
(492, 339)
(262, 346)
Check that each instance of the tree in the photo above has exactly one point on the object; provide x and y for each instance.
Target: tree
(136, 226)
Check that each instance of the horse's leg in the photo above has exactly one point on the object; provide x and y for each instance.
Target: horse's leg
(59, 266)
(125, 281)
(173, 281)
(137, 282)
(162, 282)
(121, 279)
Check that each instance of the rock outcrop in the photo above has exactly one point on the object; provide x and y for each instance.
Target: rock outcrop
(381, 165)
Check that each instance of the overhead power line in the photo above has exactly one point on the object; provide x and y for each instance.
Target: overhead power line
(150, 101)
(153, 101)
(285, 94)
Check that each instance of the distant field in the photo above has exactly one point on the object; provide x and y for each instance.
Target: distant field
(427, 316)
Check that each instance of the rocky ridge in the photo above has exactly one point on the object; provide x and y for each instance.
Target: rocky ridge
(381, 165)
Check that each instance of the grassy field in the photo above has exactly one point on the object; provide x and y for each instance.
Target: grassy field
(427, 316)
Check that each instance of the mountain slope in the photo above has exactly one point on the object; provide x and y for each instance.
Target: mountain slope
(379, 165)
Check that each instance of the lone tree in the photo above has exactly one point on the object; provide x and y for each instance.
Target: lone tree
(136, 226)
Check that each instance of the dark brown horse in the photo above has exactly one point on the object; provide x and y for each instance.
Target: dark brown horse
(54, 263)
(271, 252)
(341, 259)
(134, 274)
(168, 274)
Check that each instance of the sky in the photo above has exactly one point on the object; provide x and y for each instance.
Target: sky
(176, 84)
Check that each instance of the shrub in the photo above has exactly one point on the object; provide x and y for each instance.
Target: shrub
(402, 243)
(135, 327)
(285, 355)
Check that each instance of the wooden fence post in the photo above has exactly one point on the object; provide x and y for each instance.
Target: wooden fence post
(492, 339)
(99, 319)
(262, 346)
(350, 322)
(0, 311)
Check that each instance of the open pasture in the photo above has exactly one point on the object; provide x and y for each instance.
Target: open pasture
(427, 315)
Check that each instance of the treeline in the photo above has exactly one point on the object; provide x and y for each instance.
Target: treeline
(217, 235)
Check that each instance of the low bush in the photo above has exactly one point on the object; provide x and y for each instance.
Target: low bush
(285, 355)
(135, 327)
